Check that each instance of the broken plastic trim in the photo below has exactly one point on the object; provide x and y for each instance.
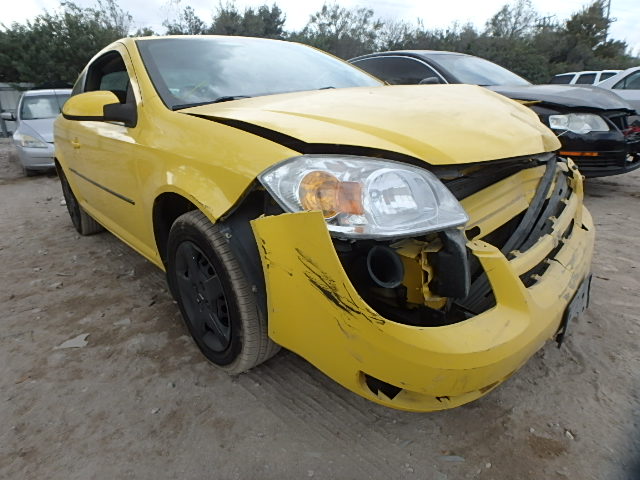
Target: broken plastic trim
(480, 288)
(376, 386)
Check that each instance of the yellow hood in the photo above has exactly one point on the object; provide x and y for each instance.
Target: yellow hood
(440, 124)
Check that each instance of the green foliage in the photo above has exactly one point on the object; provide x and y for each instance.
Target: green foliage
(144, 32)
(583, 42)
(56, 46)
(513, 21)
(265, 21)
(343, 32)
(516, 37)
(188, 23)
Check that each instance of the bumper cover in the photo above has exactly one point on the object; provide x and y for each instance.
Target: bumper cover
(603, 157)
(315, 311)
(36, 158)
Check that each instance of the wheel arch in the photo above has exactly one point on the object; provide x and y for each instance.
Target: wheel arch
(234, 224)
(167, 207)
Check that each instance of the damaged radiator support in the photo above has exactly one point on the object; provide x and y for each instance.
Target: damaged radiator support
(451, 279)
(532, 225)
(451, 265)
(453, 285)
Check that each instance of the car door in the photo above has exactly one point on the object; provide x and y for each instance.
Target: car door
(629, 89)
(398, 70)
(104, 161)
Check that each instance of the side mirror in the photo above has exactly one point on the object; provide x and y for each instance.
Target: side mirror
(99, 106)
(8, 116)
(430, 81)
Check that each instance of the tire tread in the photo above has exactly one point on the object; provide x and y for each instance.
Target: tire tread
(88, 226)
(257, 346)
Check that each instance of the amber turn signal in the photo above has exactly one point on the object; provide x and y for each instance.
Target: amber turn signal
(322, 191)
(579, 154)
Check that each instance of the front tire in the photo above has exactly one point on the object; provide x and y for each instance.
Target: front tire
(82, 221)
(214, 296)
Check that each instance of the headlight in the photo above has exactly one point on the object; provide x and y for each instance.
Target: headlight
(30, 142)
(364, 197)
(578, 123)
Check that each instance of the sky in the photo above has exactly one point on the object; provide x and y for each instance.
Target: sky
(434, 13)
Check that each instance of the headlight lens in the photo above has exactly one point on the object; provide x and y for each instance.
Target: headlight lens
(30, 142)
(578, 123)
(364, 197)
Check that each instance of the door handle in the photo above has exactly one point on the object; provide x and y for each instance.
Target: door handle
(75, 143)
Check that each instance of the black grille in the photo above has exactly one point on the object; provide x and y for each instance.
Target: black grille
(620, 120)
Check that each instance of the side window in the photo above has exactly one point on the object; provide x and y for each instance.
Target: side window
(605, 75)
(397, 70)
(561, 79)
(586, 79)
(630, 82)
(109, 73)
(78, 86)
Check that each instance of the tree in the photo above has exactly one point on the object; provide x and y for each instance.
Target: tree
(264, 21)
(188, 23)
(516, 21)
(144, 32)
(583, 43)
(54, 47)
(344, 32)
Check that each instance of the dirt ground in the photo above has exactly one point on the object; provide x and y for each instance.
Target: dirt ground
(139, 401)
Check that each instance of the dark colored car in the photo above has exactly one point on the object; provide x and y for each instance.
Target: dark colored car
(593, 125)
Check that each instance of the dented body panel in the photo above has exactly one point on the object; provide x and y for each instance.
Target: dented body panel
(424, 125)
(329, 324)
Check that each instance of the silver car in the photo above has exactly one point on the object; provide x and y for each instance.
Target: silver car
(33, 137)
(627, 85)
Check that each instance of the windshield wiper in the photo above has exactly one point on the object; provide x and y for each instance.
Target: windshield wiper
(225, 98)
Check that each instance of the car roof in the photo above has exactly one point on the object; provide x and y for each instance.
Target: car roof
(586, 71)
(413, 53)
(617, 77)
(47, 91)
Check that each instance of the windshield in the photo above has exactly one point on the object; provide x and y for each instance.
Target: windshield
(477, 71)
(191, 71)
(35, 107)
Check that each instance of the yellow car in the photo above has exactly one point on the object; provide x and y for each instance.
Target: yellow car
(416, 244)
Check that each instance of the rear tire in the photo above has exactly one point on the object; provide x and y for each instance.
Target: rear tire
(28, 172)
(214, 296)
(82, 221)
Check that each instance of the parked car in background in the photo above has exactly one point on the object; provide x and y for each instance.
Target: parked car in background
(626, 84)
(592, 124)
(417, 245)
(33, 136)
(589, 77)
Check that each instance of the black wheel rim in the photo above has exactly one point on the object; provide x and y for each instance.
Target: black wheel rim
(72, 205)
(203, 297)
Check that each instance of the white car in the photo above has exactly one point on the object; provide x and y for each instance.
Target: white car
(627, 85)
(589, 77)
(33, 138)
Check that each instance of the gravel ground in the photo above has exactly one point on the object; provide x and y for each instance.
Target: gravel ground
(133, 398)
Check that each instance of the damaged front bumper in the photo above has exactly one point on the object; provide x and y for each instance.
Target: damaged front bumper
(601, 154)
(315, 311)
